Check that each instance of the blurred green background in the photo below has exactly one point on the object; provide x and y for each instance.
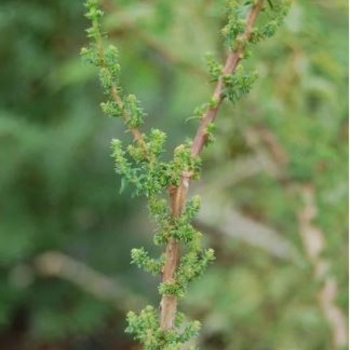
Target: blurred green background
(66, 231)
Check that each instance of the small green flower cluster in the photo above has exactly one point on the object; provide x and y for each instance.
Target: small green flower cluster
(237, 38)
(235, 28)
(106, 59)
(239, 83)
(145, 327)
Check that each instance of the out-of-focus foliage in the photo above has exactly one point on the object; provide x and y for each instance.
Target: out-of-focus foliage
(58, 190)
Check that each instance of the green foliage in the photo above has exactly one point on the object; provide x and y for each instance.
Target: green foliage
(242, 79)
(146, 329)
(140, 165)
(141, 258)
(58, 191)
(234, 30)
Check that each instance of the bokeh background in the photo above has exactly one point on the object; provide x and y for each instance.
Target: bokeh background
(274, 187)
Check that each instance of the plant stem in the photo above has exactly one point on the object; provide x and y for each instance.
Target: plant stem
(232, 61)
(136, 133)
(178, 195)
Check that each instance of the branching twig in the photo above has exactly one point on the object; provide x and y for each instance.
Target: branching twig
(108, 81)
(179, 194)
(231, 63)
(141, 164)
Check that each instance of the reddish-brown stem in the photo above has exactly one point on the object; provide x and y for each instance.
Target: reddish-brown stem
(168, 304)
(178, 194)
(137, 135)
(231, 63)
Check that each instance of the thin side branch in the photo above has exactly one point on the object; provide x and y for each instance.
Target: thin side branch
(136, 133)
(231, 63)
